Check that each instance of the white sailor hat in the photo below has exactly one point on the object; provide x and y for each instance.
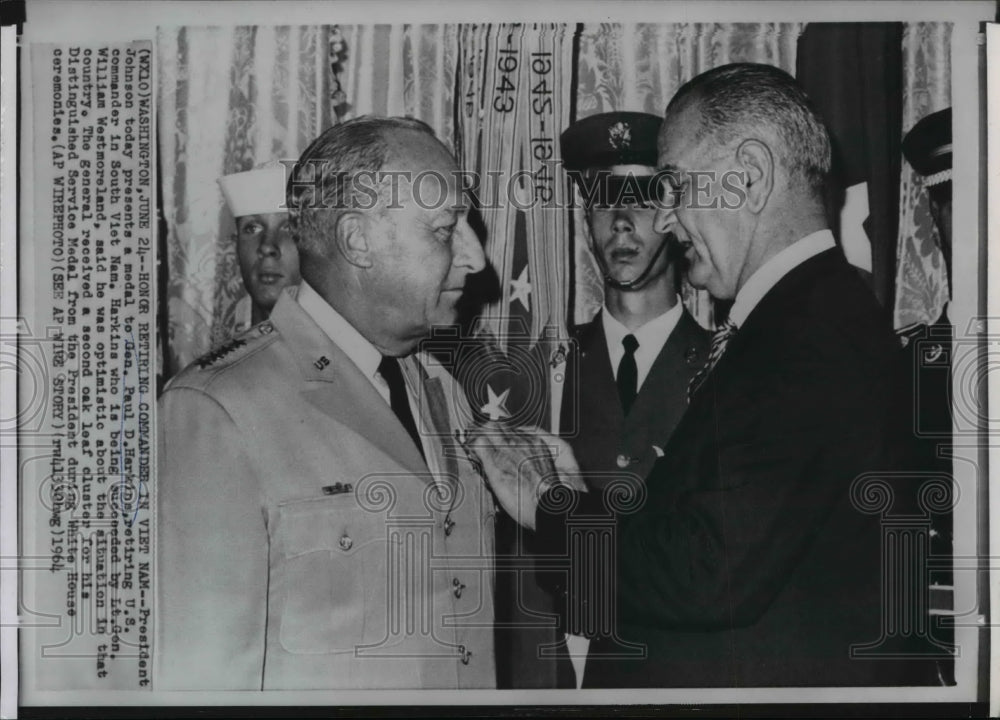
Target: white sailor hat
(255, 192)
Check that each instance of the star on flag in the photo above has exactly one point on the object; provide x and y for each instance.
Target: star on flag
(496, 405)
(521, 289)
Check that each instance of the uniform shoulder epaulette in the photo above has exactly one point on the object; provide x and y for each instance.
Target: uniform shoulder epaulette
(216, 354)
(228, 348)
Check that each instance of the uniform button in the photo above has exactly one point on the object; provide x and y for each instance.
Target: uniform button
(449, 525)
(345, 542)
(266, 328)
(623, 461)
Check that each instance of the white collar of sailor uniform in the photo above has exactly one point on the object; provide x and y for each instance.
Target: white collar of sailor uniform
(344, 335)
(768, 274)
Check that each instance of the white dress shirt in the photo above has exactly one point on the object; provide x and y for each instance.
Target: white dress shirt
(768, 274)
(344, 335)
(243, 315)
(651, 338)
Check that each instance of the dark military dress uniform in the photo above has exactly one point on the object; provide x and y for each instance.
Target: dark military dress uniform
(926, 358)
(612, 157)
(607, 443)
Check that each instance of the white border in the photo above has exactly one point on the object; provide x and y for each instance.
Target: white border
(993, 329)
(8, 380)
(60, 20)
(63, 20)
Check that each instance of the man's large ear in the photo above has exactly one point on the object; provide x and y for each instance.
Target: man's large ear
(757, 162)
(351, 233)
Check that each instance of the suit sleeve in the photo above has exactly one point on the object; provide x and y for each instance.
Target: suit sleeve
(212, 551)
(715, 554)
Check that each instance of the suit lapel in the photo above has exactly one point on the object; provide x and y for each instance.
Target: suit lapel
(336, 387)
(591, 395)
(596, 371)
(784, 298)
(662, 398)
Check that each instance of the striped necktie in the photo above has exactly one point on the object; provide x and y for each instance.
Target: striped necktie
(720, 338)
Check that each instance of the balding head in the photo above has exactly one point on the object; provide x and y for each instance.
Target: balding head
(747, 158)
(338, 172)
(749, 99)
(383, 227)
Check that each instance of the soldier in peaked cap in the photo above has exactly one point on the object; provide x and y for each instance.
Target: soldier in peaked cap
(927, 147)
(638, 354)
(625, 388)
(266, 250)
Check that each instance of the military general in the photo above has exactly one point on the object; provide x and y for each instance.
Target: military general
(319, 527)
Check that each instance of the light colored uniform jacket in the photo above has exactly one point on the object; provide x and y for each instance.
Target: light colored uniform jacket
(303, 543)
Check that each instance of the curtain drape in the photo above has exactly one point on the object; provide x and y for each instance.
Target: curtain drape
(921, 277)
(400, 70)
(229, 98)
(853, 73)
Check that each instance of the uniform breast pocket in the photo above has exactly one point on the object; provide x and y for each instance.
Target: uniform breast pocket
(327, 552)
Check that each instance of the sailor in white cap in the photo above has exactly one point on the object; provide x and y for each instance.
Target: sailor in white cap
(265, 247)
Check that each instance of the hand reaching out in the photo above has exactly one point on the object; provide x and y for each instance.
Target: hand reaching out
(520, 464)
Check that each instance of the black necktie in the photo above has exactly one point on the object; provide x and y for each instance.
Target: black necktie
(398, 398)
(628, 373)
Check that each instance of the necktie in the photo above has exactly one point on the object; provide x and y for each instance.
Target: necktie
(628, 374)
(720, 338)
(398, 398)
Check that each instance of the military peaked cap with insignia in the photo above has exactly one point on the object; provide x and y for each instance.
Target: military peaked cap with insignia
(927, 147)
(609, 139)
(617, 148)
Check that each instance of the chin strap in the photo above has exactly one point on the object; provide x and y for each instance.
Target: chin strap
(632, 284)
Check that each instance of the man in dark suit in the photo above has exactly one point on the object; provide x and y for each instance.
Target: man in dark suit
(754, 556)
(626, 386)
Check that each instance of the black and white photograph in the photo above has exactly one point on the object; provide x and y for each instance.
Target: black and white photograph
(411, 354)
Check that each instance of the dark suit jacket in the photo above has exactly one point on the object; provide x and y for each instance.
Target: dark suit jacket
(749, 564)
(603, 439)
(593, 424)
